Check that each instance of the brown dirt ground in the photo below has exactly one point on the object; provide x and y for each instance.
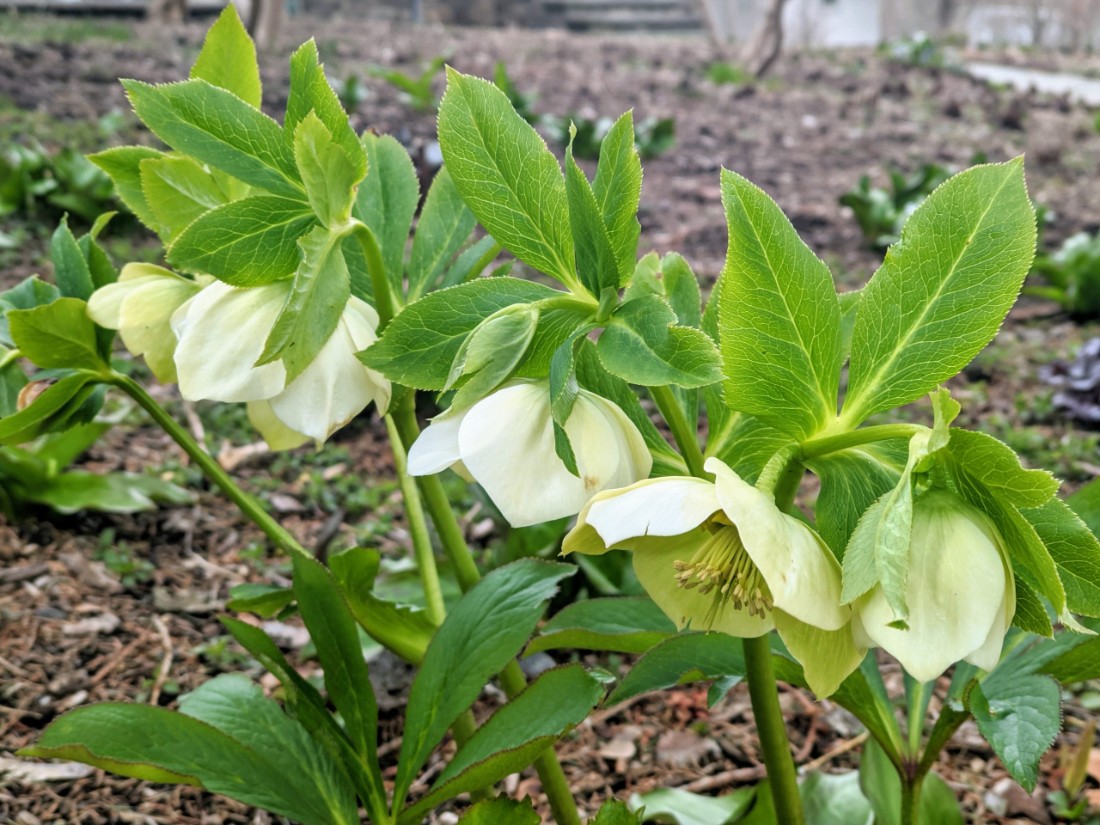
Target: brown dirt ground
(71, 632)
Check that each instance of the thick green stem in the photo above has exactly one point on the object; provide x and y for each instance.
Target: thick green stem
(772, 730)
(554, 782)
(686, 435)
(376, 269)
(246, 503)
(910, 799)
(853, 438)
(418, 528)
(917, 701)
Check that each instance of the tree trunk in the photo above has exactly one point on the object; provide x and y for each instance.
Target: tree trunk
(767, 43)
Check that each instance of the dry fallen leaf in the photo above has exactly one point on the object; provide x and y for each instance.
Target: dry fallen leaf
(16, 770)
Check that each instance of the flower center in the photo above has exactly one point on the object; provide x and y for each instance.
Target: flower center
(723, 568)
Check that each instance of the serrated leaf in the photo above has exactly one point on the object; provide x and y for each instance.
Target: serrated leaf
(623, 625)
(779, 316)
(481, 634)
(249, 242)
(178, 191)
(310, 91)
(228, 59)
(59, 335)
(445, 224)
(687, 657)
(943, 290)
(596, 259)
(1075, 550)
(641, 346)
(506, 175)
(218, 128)
(57, 402)
(317, 300)
(501, 809)
(327, 172)
(265, 600)
(491, 352)
(685, 808)
(995, 465)
(123, 166)
(1078, 664)
(70, 266)
(1031, 614)
(419, 345)
(618, 190)
(387, 200)
(1019, 715)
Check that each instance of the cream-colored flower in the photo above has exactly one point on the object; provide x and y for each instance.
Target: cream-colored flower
(505, 442)
(960, 592)
(140, 306)
(222, 332)
(721, 556)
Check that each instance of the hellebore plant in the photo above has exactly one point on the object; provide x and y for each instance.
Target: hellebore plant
(291, 285)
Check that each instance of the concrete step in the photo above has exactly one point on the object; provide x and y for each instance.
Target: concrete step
(627, 15)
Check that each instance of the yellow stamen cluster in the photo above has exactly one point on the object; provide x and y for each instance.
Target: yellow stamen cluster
(723, 568)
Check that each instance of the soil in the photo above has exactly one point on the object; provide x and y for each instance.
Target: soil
(75, 629)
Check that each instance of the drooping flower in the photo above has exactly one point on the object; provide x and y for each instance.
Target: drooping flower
(960, 592)
(222, 332)
(140, 306)
(722, 556)
(505, 442)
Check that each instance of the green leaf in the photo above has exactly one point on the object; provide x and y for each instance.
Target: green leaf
(310, 91)
(70, 266)
(318, 297)
(12, 381)
(851, 482)
(57, 336)
(76, 491)
(943, 290)
(1078, 664)
(218, 128)
(879, 782)
(347, 680)
(265, 600)
(228, 59)
(616, 812)
(1031, 614)
(29, 293)
(179, 191)
(327, 172)
(506, 175)
(57, 402)
(684, 808)
(688, 657)
(123, 166)
(481, 634)
(387, 201)
(1019, 715)
(618, 189)
(597, 261)
(1085, 502)
(491, 352)
(249, 242)
(998, 468)
(1075, 550)
(445, 224)
(779, 315)
(419, 345)
(835, 799)
(274, 765)
(550, 706)
(499, 810)
(641, 346)
(404, 629)
(623, 625)
(672, 279)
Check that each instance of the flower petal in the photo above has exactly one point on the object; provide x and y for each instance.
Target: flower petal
(654, 562)
(333, 389)
(956, 593)
(989, 654)
(436, 448)
(801, 571)
(827, 656)
(222, 332)
(667, 506)
(633, 458)
(277, 434)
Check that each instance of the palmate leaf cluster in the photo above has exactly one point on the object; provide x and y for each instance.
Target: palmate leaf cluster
(789, 374)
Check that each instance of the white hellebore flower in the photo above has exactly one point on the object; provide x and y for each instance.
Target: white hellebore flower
(505, 442)
(960, 592)
(722, 556)
(222, 332)
(140, 306)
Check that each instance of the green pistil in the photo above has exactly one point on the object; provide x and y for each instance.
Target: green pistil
(722, 567)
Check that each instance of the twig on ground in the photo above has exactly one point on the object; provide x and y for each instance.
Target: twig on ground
(842, 748)
(165, 665)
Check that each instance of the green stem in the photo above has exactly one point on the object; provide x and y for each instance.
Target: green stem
(554, 782)
(910, 799)
(418, 528)
(687, 436)
(816, 447)
(246, 503)
(916, 699)
(772, 730)
(9, 357)
(380, 285)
